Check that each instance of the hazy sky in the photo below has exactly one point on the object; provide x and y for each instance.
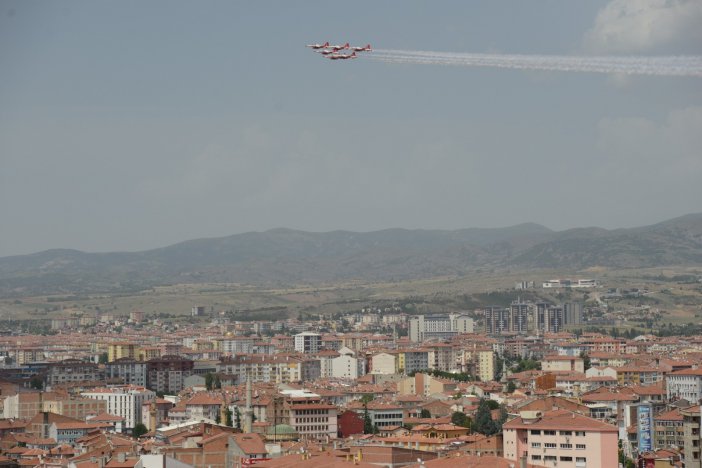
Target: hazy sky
(128, 125)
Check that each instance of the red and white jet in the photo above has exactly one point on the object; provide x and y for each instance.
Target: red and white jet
(337, 48)
(367, 48)
(326, 52)
(318, 46)
(342, 56)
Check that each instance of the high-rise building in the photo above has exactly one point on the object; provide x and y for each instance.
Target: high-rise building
(554, 319)
(519, 316)
(308, 342)
(573, 313)
(497, 320)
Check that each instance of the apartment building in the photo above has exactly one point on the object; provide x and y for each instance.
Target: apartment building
(125, 401)
(560, 438)
(439, 326)
(72, 370)
(686, 383)
(276, 368)
(308, 342)
(128, 370)
(168, 373)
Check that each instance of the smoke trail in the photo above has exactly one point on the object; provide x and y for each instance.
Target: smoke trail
(660, 66)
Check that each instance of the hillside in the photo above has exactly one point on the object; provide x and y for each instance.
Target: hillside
(284, 256)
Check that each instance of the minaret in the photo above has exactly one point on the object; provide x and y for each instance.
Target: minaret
(248, 411)
(153, 422)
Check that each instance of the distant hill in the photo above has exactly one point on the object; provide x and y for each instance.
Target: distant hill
(284, 256)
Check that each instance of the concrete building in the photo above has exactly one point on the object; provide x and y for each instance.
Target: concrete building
(383, 363)
(563, 363)
(519, 316)
(439, 326)
(485, 365)
(692, 436)
(308, 342)
(686, 383)
(167, 374)
(497, 320)
(72, 370)
(125, 401)
(128, 370)
(560, 438)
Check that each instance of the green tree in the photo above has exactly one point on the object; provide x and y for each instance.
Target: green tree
(217, 382)
(511, 387)
(237, 418)
(367, 423)
(139, 430)
(483, 423)
(459, 418)
(367, 398)
(36, 382)
(228, 413)
(209, 381)
(103, 358)
(425, 413)
(586, 360)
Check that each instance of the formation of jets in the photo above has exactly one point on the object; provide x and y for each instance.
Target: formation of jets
(332, 51)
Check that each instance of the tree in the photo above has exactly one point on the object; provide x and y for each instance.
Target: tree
(209, 381)
(36, 382)
(511, 387)
(484, 423)
(586, 360)
(217, 382)
(228, 414)
(368, 427)
(459, 418)
(103, 358)
(367, 398)
(237, 418)
(139, 430)
(425, 413)
(502, 419)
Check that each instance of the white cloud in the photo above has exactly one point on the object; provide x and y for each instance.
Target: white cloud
(644, 26)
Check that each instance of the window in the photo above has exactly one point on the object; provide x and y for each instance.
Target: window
(567, 459)
(536, 457)
(550, 458)
(536, 445)
(580, 446)
(580, 433)
(567, 433)
(535, 432)
(549, 432)
(580, 459)
(549, 445)
(566, 446)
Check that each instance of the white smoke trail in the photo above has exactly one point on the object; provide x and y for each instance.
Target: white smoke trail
(660, 66)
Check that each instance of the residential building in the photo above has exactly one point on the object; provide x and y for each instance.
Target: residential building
(72, 370)
(308, 342)
(125, 401)
(167, 374)
(128, 370)
(560, 438)
(439, 326)
(686, 383)
(497, 320)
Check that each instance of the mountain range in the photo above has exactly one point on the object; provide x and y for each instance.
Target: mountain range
(285, 256)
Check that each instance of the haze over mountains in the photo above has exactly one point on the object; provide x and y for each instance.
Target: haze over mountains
(284, 256)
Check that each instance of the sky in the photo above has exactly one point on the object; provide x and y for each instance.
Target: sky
(137, 124)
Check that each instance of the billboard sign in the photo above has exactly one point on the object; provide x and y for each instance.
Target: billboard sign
(645, 428)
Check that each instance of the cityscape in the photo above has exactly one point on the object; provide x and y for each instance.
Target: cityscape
(397, 234)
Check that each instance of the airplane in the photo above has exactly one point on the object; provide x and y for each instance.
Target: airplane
(342, 56)
(326, 52)
(367, 48)
(337, 48)
(318, 46)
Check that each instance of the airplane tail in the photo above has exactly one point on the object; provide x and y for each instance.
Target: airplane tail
(326, 44)
(346, 46)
